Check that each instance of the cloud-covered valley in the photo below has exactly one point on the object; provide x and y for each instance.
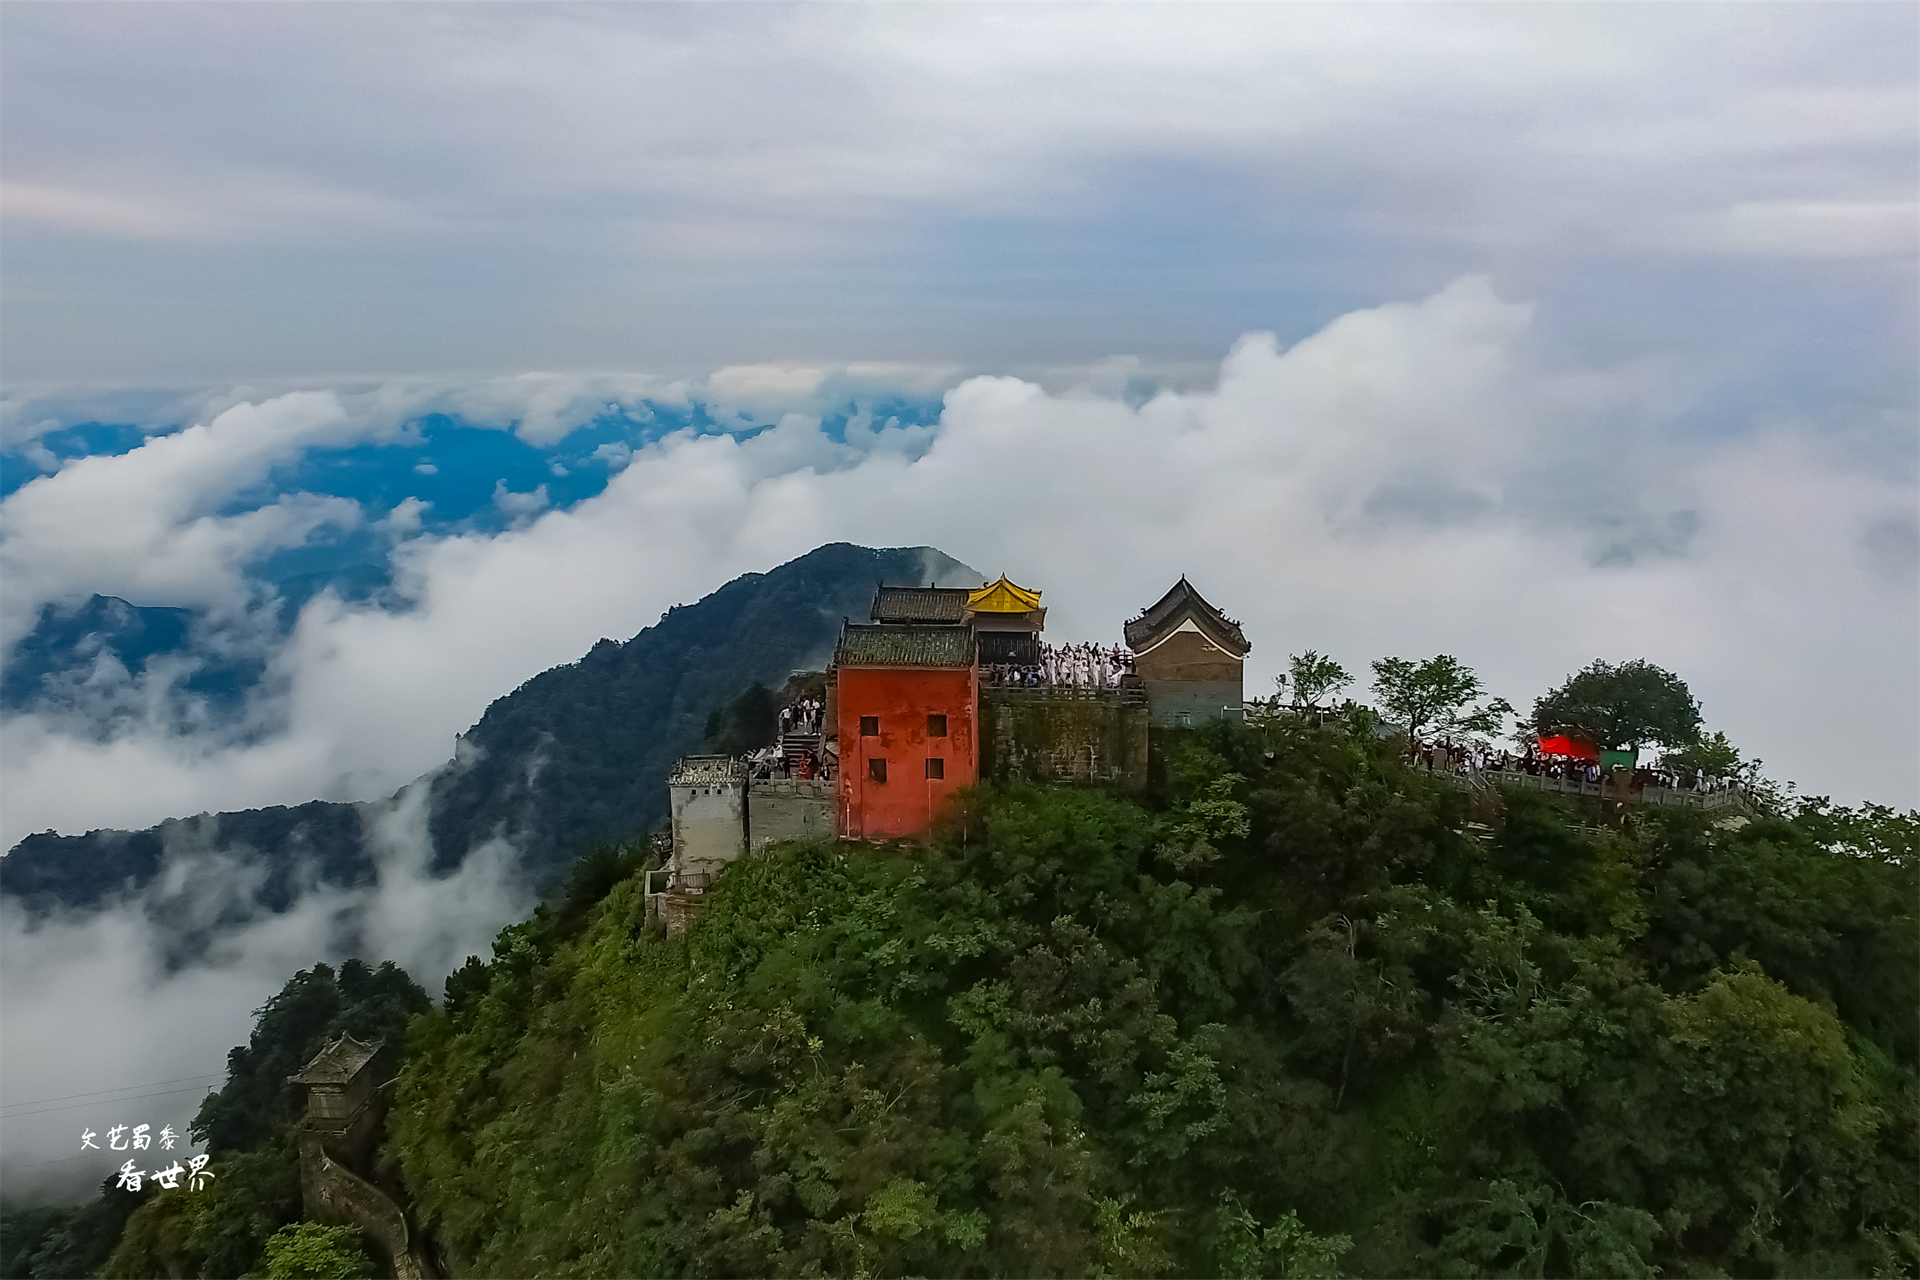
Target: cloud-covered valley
(1415, 477)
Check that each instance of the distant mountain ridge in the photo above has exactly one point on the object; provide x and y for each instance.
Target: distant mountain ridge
(575, 755)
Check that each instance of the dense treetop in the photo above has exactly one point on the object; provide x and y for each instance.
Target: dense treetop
(1303, 1012)
(1620, 707)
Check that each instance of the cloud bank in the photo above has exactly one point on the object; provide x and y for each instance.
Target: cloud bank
(1414, 478)
(215, 192)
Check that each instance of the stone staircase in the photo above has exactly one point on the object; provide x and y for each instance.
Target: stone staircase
(794, 747)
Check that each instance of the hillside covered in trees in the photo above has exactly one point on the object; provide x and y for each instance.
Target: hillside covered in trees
(1303, 1011)
(1304, 1014)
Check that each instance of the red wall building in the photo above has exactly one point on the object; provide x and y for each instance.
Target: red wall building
(904, 705)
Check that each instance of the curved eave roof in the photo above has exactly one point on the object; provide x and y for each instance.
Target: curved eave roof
(1003, 597)
(1182, 604)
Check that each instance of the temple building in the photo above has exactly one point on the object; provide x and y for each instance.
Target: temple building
(943, 687)
(904, 697)
(1189, 657)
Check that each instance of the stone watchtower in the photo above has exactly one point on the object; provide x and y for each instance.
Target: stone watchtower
(342, 1126)
(1189, 657)
(342, 1110)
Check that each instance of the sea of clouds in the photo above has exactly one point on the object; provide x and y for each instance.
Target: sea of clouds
(1415, 478)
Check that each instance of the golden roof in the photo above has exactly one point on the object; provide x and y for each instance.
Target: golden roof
(1003, 597)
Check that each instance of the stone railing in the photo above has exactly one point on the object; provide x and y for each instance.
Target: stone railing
(706, 771)
(1123, 693)
(1527, 782)
(816, 787)
(1668, 797)
(1710, 801)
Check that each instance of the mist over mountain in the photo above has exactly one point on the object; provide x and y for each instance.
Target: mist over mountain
(576, 754)
(79, 660)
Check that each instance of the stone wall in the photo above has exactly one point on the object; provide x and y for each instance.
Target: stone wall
(1181, 704)
(1061, 733)
(709, 823)
(1190, 681)
(332, 1193)
(789, 809)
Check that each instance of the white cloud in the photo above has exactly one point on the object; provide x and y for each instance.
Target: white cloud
(1411, 479)
(1396, 484)
(764, 387)
(615, 454)
(93, 1004)
(1823, 228)
(518, 506)
(73, 208)
(146, 524)
(832, 126)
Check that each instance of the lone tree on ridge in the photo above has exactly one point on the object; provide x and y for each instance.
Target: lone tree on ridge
(1314, 676)
(1436, 694)
(1620, 708)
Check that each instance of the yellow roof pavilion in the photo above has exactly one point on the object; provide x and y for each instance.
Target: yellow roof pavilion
(1003, 597)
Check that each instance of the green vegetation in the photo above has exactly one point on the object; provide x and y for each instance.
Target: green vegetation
(308, 1251)
(1314, 676)
(1438, 696)
(1620, 708)
(56, 1243)
(1294, 1017)
(1304, 1011)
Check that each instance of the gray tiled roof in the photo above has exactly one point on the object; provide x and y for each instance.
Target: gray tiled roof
(891, 645)
(337, 1063)
(1182, 601)
(919, 604)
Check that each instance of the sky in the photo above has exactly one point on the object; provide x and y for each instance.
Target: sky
(416, 348)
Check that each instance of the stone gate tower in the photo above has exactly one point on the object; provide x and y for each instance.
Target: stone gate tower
(1189, 657)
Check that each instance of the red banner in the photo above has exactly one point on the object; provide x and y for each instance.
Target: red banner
(1568, 747)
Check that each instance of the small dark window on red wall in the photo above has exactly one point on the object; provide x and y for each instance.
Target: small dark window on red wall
(936, 728)
(877, 770)
(936, 767)
(869, 726)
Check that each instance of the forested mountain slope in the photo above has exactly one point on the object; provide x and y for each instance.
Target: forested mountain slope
(576, 754)
(1306, 1013)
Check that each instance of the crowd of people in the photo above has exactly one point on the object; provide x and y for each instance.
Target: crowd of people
(1081, 666)
(1447, 757)
(775, 764)
(801, 717)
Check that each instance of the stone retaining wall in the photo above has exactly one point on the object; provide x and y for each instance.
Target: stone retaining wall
(1060, 733)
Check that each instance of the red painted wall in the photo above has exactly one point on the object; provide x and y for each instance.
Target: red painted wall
(902, 698)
